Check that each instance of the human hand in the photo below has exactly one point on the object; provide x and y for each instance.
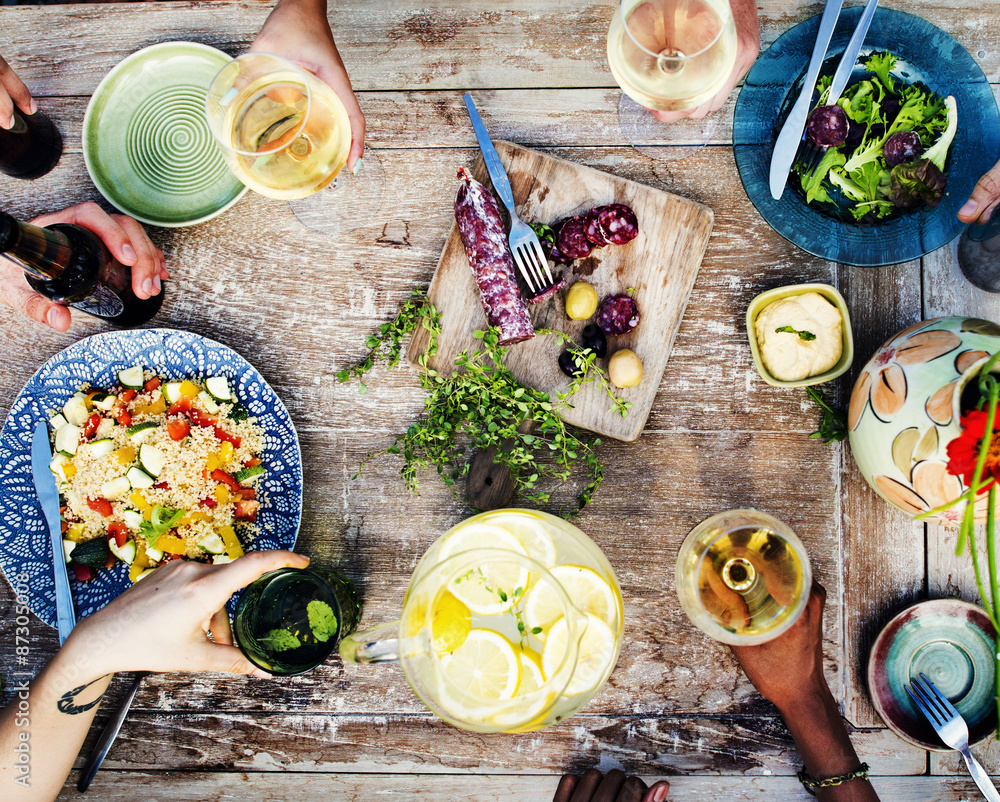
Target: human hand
(747, 49)
(162, 623)
(124, 237)
(979, 207)
(13, 91)
(299, 31)
(613, 787)
(789, 668)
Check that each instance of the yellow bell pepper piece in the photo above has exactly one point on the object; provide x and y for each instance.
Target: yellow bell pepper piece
(74, 532)
(88, 402)
(213, 461)
(125, 455)
(171, 544)
(226, 452)
(141, 561)
(221, 494)
(233, 547)
(193, 517)
(188, 389)
(142, 505)
(155, 408)
(69, 470)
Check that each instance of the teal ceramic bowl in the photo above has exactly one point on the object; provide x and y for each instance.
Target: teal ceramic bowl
(765, 299)
(951, 643)
(146, 139)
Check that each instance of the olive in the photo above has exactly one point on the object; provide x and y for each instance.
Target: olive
(567, 364)
(595, 339)
(625, 368)
(581, 301)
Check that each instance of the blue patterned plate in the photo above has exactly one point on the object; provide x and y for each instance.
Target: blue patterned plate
(926, 55)
(25, 550)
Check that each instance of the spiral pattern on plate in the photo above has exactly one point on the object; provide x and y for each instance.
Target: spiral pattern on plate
(170, 145)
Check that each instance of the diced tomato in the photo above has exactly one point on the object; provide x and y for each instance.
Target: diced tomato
(199, 418)
(181, 407)
(65, 524)
(126, 396)
(101, 505)
(246, 510)
(209, 502)
(162, 485)
(248, 493)
(178, 428)
(152, 384)
(226, 437)
(119, 532)
(90, 427)
(227, 479)
(83, 573)
(110, 562)
(123, 417)
(252, 462)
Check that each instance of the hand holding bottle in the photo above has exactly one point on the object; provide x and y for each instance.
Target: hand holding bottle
(980, 206)
(13, 92)
(125, 239)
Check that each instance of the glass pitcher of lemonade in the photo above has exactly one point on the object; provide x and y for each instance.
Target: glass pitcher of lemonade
(512, 621)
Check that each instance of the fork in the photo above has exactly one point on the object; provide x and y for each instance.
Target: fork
(524, 245)
(951, 728)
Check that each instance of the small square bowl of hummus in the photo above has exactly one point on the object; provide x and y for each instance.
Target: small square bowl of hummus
(800, 335)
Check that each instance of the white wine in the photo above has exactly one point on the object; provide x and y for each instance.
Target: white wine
(286, 140)
(672, 55)
(743, 577)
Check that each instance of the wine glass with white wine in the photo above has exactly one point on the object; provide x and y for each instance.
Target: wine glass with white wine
(670, 55)
(286, 135)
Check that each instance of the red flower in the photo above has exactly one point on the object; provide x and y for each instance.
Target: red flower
(963, 451)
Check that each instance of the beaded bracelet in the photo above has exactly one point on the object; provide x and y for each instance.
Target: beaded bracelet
(811, 785)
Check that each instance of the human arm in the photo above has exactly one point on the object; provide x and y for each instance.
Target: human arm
(747, 49)
(788, 671)
(13, 92)
(593, 786)
(124, 237)
(159, 624)
(300, 31)
(980, 205)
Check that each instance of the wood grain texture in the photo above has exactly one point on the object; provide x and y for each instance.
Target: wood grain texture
(660, 265)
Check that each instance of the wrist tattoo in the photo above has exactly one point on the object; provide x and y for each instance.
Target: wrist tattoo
(67, 704)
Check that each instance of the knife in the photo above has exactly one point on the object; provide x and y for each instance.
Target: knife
(787, 144)
(48, 496)
(493, 164)
(108, 734)
(846, 66)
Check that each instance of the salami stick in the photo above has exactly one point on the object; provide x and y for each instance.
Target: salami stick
(485, 241)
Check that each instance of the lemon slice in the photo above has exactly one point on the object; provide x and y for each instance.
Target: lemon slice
(488, 589)
(597, 649)
(485, 665)
(451, 623)
(531, 671)
(586, 589)
(531, 534)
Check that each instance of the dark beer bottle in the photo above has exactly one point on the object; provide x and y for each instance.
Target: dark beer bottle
(31, 148)
(71, 266)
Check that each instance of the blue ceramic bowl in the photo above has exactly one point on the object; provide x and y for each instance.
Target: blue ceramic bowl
(25, 548)
(926, 55)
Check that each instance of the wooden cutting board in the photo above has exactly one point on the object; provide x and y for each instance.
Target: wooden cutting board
(660, 264)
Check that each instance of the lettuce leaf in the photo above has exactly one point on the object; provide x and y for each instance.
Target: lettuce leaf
(915, 183)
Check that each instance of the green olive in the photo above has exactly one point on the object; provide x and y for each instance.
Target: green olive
(625, 368)
(581, 301)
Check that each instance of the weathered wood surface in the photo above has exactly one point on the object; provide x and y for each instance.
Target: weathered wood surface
(658, 269)
(298, 305)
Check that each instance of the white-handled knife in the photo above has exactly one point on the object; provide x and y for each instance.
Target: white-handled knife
(787, 144)
(48, 497)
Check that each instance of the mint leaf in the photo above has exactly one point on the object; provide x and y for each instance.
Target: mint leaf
(322, 620)
(280, 640)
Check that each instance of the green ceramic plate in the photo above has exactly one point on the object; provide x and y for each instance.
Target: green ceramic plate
(147, 143)
(951, 643)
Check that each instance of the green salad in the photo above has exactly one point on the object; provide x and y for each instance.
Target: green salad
(884, 142)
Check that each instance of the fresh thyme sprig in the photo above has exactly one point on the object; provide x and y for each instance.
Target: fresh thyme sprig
(587, 371)
(833, 424)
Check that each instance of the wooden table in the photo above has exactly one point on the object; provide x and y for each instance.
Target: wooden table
(298, 305)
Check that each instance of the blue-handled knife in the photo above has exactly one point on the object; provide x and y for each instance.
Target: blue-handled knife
(48, 497)
(498, 175)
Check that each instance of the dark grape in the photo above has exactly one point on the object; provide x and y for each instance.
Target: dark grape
(594, 339)
(827, 126)
(902, 147)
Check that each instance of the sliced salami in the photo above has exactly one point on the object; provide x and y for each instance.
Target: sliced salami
(572, 240)
(618, 314)
(592, 228)
(618, 223)
(555, 254)
(481, 229)
(548, 292)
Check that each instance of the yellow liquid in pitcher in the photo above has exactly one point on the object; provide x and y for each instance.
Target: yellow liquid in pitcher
(500, 634)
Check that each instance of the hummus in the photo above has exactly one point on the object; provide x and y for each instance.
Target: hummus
(810, 340)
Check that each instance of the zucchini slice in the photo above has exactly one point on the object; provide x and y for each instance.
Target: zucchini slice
(144, 574)
(97, 448)
(248, 474)
(131, 378)
(58, 464)
(221, 559)
(154, 555)
(104, 401)
(141, 431)
(125, 553)
(151, 459)
(218, 388)
(75, 410)
(115, 488)
(57, 420)
(139, 479)
(68, 439)
(212, 544)
(68, 547)
(209, 403)
(172, 392)
(133, 519)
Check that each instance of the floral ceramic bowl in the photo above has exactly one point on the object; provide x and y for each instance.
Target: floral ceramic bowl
(905, 409)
